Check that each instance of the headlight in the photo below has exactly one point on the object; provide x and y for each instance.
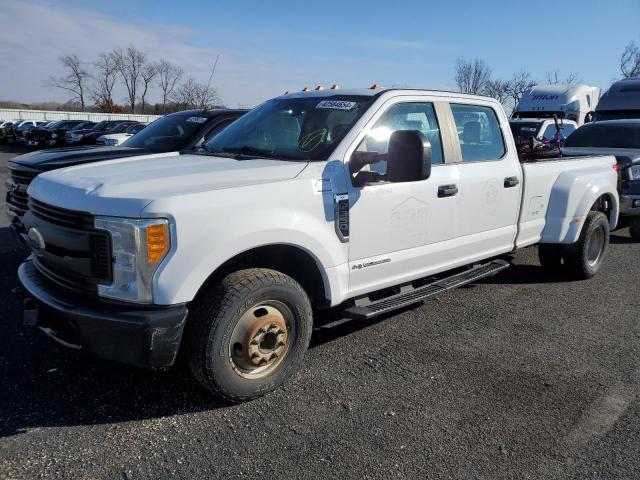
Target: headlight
(54, 135)
(634, 172)
(138, 248)
(111, 141)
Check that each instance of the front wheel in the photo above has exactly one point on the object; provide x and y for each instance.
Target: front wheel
(248, 334)
(584, 258)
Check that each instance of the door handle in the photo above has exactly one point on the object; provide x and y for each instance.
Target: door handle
(511, 182)
(447, 190)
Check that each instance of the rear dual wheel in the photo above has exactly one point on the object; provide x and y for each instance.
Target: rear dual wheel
(248, 334)
(581, 259)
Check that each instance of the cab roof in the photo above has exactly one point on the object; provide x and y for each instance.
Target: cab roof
(370, 92)
(622, 95)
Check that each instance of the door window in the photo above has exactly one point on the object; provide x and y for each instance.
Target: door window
(479, 132)
(402, 116)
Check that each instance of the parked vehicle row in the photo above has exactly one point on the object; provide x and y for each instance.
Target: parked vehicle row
(363, 200)
(185, 130)
(66, 132)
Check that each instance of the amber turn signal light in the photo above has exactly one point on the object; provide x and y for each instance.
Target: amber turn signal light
(157, 242)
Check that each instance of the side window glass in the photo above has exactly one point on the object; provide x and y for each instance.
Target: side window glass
(550, 132)
(402, 116)
(479, 132)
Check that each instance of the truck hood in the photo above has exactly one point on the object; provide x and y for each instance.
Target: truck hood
(131, 183)
(45, 160)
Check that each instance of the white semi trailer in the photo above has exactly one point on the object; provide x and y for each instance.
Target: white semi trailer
(569, 102)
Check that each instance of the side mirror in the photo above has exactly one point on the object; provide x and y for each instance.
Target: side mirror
(588, 118)
(409, 157)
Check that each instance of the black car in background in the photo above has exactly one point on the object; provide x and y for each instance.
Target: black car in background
(52, 134)
(88, 125)
(21, 132)
(182, 131)
(91, 137)
(88, 136)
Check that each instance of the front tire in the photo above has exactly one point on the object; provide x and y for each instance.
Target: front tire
(585, 257)
(248, 334)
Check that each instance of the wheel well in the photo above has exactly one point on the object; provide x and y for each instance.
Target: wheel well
(604, 204)
(287, 259)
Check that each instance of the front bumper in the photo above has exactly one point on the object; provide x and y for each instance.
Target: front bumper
(143, 336)
(627, 203)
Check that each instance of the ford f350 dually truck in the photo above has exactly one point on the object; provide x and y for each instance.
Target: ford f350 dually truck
(366, 200)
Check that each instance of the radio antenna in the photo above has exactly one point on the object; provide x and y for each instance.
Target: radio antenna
(213, 70)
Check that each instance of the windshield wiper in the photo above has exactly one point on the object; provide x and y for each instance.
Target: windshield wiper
(251, 152)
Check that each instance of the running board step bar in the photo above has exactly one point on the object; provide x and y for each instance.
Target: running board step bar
(416, 295)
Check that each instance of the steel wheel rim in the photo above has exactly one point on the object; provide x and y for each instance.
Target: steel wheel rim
(595, 246)
(260, 339)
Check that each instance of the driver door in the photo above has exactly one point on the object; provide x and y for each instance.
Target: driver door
(401, 230)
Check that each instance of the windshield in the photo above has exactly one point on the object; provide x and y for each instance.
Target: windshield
(598, 135)
(118, 127)
(101, 125)
(81, 126)
(291, 128)
(55, 124)
(169, 133)
(522, 131)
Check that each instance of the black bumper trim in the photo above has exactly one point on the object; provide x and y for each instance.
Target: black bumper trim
(141, 336)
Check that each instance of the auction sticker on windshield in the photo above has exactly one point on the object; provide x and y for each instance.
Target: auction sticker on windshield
(197, 119)
(336, 104)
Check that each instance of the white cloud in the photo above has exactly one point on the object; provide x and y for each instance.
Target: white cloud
(34, 35)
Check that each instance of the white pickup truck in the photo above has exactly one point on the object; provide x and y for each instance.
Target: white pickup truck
(370, 200)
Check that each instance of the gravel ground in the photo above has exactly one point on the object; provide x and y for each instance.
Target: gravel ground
(522, 376)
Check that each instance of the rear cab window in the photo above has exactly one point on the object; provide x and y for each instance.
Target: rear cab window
(479, 132)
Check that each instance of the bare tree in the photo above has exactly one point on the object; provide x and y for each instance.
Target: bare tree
(519, 84)
(74, 81)
(130, 63)
(472, 76)
(206, 96)
(185, 94)
(147, 74)
(168, 77)
(191, 94)
(106, 74)
(630, 61)
(554, 78)
(498, 89)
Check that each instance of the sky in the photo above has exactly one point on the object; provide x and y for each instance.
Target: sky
(266, 48)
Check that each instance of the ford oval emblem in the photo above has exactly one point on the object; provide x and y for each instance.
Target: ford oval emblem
(36, 238)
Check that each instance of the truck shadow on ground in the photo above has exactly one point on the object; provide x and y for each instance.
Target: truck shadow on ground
(45, 385)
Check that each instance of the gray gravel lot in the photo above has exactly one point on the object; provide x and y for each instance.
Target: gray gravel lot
(520, 376)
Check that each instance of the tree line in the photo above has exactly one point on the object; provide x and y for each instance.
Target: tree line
(476, 77)
(91, 85)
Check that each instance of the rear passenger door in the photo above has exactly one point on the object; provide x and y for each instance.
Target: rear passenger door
(489, 181)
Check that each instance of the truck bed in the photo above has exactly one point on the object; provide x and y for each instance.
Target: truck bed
(551, 191)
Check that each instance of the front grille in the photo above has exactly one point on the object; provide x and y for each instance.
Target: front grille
(65, 279)
(18, 198)
(76, 255)
(23, 177)
(102, 264)
(18, 201)
(61, 216)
